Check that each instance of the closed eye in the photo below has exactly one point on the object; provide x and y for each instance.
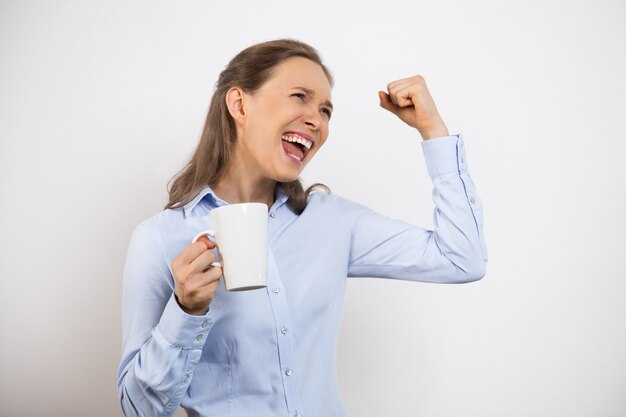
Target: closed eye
(302, 96)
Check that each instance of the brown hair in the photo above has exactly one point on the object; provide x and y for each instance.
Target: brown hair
(249, 70)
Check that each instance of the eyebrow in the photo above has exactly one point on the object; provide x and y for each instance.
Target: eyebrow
(312, 93)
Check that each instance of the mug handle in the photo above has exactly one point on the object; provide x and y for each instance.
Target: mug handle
(210, 234)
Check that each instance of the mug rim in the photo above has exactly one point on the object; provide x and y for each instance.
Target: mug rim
(241, 204)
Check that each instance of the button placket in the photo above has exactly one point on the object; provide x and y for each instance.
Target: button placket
(282, 321)
(460, 153)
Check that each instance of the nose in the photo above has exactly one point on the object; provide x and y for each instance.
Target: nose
(313, 119)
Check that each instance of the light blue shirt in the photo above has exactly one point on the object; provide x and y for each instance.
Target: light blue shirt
(271, 352)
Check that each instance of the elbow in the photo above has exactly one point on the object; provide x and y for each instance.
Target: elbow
(125, 401)
(128, 408)
(468, 272)
(476, 271)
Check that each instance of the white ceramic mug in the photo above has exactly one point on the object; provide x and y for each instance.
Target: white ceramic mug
(241, 235)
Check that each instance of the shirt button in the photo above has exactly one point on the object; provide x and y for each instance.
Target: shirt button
(272, 215)
(297, 414)
(205, 324)
(275, 290)
(186, 379)
(283, 330)
(288, 372)
(472, 200)
(463, 158)
(200, 337)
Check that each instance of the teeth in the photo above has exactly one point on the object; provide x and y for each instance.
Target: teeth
(307, 143)
(294, 156)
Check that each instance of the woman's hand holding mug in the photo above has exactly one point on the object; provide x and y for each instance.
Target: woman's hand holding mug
(196, 276)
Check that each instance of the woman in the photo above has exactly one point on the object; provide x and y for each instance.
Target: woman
(271, 352)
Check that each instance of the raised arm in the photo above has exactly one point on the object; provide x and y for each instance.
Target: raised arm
(455, 250)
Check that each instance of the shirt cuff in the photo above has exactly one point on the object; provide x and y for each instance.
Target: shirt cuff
(181, 329)
(444, 155)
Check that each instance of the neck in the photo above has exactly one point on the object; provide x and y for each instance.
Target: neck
(242, 189)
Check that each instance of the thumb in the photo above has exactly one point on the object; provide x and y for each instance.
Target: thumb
(385, 102)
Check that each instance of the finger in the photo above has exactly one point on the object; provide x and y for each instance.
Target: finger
(199, 280)
(401, 94)
(208, 242)
(403, 97)
(385, 101)
(212, 275)
(394, 87)
(202, 261)
(392, 95)
(207, 292)
(402, 91)
(417, 78)
(191, 252)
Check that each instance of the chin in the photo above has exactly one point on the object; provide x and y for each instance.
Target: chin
(287, 176)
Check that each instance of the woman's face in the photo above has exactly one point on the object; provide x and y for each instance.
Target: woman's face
(293, 105)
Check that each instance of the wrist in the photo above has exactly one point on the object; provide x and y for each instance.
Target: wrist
(436, 130)
(436, 133)
(198, 312)
(192, 311)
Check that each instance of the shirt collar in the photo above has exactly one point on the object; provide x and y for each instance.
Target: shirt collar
(208, 193)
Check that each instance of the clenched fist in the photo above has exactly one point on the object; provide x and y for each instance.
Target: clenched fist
(410, 100)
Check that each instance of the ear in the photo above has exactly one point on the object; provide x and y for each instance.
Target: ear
(235, 102)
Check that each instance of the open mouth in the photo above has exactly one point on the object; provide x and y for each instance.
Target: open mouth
(296, 147)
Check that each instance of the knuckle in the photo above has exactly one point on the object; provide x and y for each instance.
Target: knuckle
(215, 272)
(196, 247)
(180, 279)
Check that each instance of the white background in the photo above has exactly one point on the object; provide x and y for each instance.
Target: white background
(102, 102)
